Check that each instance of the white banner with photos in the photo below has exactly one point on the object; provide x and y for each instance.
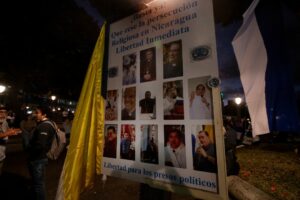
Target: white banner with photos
(159, 109)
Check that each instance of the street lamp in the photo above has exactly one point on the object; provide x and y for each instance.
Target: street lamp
(2, 89)
(53, 97)
(238, 100)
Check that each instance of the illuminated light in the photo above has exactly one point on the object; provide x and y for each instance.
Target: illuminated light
(70, 103)
(2, 88)
(53, 97)
(238, 100)
(150, 2)
(27, 107)
(29, 112)
(58, 108)
(53, 110)
(73, 111)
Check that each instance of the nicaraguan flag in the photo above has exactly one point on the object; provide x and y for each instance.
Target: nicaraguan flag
(264, 71)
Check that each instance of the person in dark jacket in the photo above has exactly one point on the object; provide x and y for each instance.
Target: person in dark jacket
(232, 164)
(39, 145)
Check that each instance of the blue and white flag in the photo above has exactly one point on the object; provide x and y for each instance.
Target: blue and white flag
(264, 71)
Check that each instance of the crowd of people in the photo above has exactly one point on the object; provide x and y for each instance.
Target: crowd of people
(37, 133)
(37, 137)
(5, 132)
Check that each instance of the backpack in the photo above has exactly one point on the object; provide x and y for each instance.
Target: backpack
(58, 142)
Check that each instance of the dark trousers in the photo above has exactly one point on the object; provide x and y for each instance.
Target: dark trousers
(37, 172)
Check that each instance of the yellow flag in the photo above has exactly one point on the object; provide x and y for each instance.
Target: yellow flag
(83, 160)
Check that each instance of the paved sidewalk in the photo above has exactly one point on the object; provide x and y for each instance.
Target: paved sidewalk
(14, 183)
(15, 180)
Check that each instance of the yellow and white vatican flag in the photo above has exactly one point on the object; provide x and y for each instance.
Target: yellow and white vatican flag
(83, 160)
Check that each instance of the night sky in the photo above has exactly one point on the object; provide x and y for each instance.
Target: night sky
(47, 45)
(285, 31)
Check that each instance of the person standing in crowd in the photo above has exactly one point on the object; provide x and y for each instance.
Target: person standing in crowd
(5, 132)
(230, 139)
(67, 124)
(205, 155)
(173, 59)
(200, 104)
(148, 65)
(28, 124)
(39, 145)
(175, 150)
(11, 118)
(3, 137)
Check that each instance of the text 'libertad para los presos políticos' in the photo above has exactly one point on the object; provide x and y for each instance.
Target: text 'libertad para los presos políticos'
(162, 176)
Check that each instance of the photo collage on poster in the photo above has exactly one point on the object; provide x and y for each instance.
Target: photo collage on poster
(140, 103)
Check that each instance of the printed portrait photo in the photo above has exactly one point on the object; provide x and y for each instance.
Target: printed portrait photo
(128, 103)
(148, 65)
(204, 148)
(173, 100)
(200, 98)
(111, 106)
(149, 144)
(110, 144)
(127, 145)
(147, 104)
(175, 154)
(172, 58)
(129, 69)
